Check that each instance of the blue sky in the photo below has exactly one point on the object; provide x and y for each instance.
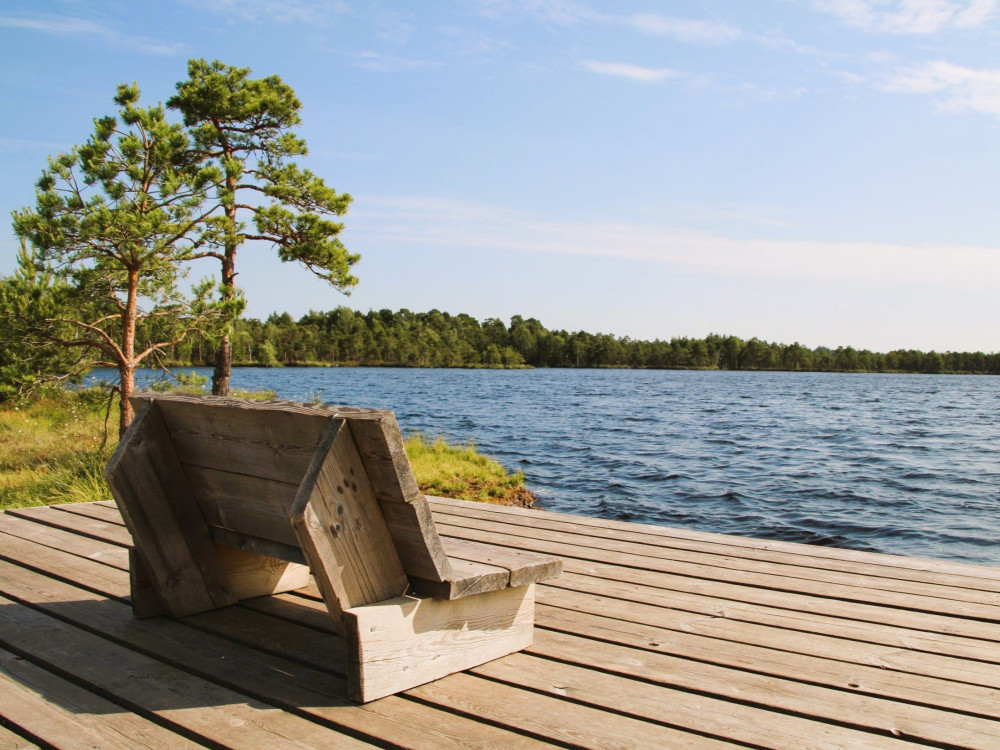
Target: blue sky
(821, 171)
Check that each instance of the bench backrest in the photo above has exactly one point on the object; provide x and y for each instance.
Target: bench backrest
(327, 485)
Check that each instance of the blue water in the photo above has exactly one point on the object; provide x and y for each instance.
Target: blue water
(906, 464)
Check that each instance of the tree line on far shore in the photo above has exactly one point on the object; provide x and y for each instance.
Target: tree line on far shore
(384, 338)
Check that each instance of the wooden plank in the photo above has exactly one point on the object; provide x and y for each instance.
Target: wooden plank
(798, 621)
(721, 629)
(92, 549)
(793, 602)
(704, 653)
(524, 567)
(157, 506)
(400, 643)
(243, 437)
(112, 582)
(150, 687)
(146, 600)
(11, 741)
(558, 719)
(740, 546)
(250, 574)
(416, 539)
(381, 447)
(874, 714)
(260, 546)
(341, 530)
(247, 505)
(861, 578)
(62, 714)
(719, 718)
(568, 547)
(92, 510)
(466, 579)
(303, 678)
(81, 525)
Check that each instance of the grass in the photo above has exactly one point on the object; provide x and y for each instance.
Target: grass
(460, 471)
(52, 450)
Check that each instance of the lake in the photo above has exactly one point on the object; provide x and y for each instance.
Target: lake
(905, 464)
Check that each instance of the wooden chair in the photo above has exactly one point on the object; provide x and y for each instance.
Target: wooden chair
(228, 499)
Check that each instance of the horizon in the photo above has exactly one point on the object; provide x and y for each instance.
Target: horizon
(812, 171)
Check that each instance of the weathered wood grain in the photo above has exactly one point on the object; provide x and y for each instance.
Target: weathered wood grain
(563, 630)
(381, 446)
(804, 555)
(153, 688)
(736, 721)
(400, 643)
(524, 567)
(251, 574)
(62, 714)
(341, 530)
(466, 579)
(11, 741)
(244, 504)
(416, 539)
(567, 546)
(867, 630)
(230, 648)
(158, 508)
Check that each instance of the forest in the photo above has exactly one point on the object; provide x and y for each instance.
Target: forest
(383, 338)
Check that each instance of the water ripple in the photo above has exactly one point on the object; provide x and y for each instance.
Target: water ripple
(894, 463)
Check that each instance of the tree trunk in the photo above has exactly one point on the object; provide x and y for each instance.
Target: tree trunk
(126, 363)
(126, 373)
(224, 356)
(223, 368)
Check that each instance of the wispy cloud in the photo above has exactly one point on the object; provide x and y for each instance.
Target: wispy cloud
(379, 63)
(633, 72)
(952, 87)
(465, 226)
(910, 16)
(21, 145)
(71, 26)
(562, 12)
(684, 29)
(309, 12)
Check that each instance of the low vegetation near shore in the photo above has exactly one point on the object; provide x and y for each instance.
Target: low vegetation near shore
(54, 449)
(448, 470)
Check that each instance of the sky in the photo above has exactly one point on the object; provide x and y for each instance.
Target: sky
(819, 171)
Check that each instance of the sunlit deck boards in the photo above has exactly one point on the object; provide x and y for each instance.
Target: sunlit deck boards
(653, 637)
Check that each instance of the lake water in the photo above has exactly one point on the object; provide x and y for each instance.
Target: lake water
(906, 464)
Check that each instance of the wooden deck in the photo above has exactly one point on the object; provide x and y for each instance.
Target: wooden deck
(653, 638)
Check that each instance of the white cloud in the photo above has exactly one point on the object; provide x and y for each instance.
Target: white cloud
(562, 12)
(379, 63)
(910, 16)
(70, 26)
(684, 29)
(466, 226)
(20, 145)
(953, 88)
(633, 72)
(310, 12)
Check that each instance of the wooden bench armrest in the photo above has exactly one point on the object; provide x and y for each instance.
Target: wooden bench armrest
(477, 568)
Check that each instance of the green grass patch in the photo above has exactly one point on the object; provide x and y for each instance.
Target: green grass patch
(449, 470)
(53, 450)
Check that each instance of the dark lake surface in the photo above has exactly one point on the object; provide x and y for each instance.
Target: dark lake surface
(905, 464)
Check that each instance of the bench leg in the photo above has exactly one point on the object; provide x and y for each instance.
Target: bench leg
(404, 642)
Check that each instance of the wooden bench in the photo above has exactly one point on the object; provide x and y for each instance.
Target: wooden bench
(228, 499)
